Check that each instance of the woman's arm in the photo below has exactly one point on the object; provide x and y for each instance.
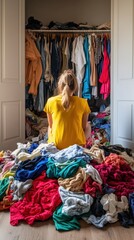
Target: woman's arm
(86, 125)
(84, 121)
(50, 123)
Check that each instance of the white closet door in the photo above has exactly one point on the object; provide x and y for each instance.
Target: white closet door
(12, 73)
(123, 72)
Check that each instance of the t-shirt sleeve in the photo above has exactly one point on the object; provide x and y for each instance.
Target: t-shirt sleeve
(87, 108)
(47, 107)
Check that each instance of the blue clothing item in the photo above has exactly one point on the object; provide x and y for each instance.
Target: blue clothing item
(102, 107)
(31, 169)
(107, 128)
(131, 203)
(41, 102)
(32, 147)
(69, 153)
(107, 189)
(54, 62)
(108, 46)
(86, 88)
(38, 44)
(43, 57)
(98, 222)
(98, 122)
(125, 219)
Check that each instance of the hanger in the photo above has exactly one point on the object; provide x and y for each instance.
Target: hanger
(31, 34)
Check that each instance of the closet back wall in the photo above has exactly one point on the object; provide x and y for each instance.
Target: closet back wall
(93, 12)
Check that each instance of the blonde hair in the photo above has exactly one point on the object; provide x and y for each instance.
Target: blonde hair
(67, 85)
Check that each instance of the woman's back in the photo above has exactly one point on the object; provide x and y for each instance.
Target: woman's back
(67, 123)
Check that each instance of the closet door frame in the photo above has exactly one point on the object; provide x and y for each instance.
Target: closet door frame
(12, 73)
(122, 73)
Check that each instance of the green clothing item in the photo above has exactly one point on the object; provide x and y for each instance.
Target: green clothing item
(3, 187)
(63, 222)
(66, 172)
(52, 171)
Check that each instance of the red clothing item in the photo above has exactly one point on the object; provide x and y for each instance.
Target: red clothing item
(91, 187)
(39, 202)
(105, 74)
(115, 172)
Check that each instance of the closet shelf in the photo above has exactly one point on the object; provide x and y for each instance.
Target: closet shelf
(69, 31)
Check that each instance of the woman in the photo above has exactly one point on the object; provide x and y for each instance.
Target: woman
(67, 114)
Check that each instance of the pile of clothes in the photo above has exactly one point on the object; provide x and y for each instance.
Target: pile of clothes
(100, 128)
(38, 182)
(35, 126)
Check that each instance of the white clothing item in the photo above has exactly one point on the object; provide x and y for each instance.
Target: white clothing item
(90, 170)
(112, 205)
(20, 188)
(73, 52)
(48, 76)
(94, 91)
(20, 147)
(23, 156)
(78, 57)
(75, 203)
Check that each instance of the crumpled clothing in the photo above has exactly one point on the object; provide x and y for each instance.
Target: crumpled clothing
(112, 205)
(91, 171)
(75, 203)
(39, 202)
(20, 188)
(74, 151)
(76, 182)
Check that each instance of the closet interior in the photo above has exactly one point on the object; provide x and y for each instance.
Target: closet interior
(58, 46)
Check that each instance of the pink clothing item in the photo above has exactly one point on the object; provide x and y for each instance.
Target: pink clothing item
(105, 74)
(6, 168)
(101, 115)
(39, 202)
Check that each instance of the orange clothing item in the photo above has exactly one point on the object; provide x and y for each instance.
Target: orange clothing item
(33, 64)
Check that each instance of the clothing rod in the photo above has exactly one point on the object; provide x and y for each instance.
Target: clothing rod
(68, 31)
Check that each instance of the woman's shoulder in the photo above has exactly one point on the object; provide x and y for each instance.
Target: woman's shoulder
(54, 98)
(80, 100)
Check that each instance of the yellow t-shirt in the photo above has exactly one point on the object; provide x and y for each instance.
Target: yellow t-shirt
(67, 124)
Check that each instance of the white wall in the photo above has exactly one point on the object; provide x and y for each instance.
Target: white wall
(93, 12)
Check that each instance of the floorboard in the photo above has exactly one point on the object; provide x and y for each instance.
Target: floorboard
(46, 231)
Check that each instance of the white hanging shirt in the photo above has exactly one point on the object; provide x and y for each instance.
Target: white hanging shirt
(78, 57)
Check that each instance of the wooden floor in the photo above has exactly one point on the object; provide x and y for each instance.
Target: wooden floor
(46, 231)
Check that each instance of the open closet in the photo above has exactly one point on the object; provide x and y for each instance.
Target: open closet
(73, 183)
(79, 40)
(14, 16)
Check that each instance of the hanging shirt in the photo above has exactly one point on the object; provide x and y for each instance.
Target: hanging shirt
(86, 88)
(79, 59)
(33, 65)
(67, 124)
(105, 74)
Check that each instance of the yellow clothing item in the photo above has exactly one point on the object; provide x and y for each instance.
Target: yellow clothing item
(67, 124)
(1, 154)
(8, 174)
